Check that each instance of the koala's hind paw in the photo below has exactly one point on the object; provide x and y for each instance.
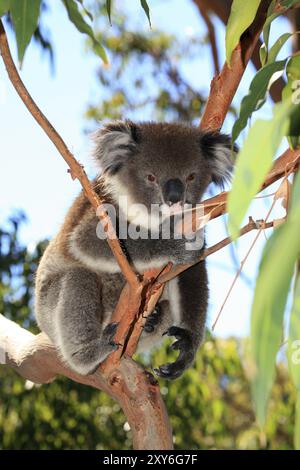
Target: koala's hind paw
(186, 356)
(153, 319)
(87, 357)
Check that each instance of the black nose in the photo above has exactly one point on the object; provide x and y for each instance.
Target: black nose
(173, 191)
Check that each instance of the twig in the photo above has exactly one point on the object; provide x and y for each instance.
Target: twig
(277, 195)
(252, 225)
(261, 228)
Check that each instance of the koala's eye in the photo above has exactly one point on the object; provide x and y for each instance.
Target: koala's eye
(151, 178)
(191, 177)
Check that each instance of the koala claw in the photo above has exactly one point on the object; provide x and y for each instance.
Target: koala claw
(110, 330)
(108, 335)
(184, 344)
(153, 319)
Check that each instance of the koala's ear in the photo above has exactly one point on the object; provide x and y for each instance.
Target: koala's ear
(217, 150)
(114, 144)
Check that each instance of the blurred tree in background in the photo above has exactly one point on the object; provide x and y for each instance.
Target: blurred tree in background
(146, 76)
(209, 407)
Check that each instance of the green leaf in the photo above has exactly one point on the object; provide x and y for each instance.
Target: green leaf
(256, 96)
(289, 3)
(293, 352)
(146, 9)
(241, 16)
(292, 92)
(275, 49)
(89, 14)
(108, 9)
(263, 54)
(273, 13)
(297, 424)
(254, 161)
(25, 15)
(79, 22)
(272, 287)
(267, 29)
(4, 7)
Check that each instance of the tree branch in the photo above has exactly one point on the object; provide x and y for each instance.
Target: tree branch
(224, 86)
(211, 35)
(35, 358)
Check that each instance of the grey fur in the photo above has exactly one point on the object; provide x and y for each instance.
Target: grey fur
(78, 281)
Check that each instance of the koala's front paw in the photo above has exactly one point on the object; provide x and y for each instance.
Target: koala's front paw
(187, 350)
(153, 319)
(87, 357)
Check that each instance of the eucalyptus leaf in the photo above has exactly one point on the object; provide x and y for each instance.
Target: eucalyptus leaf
(256, 96)
(292, 92)
(4, 7)
(272, 288)
(108, 9)
(293, 352)
(146, 9)
(275, 49)
(79, 22)
(25, 15)
(297, 424)
(89, 14)
(263, 54)
(273, 13)
(241, 16)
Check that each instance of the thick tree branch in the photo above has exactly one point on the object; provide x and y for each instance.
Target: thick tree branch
(136, 390)
(224, 86)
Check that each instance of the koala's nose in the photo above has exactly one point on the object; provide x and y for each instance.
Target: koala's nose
(173, 191)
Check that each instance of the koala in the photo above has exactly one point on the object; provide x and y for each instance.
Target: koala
(78, 281)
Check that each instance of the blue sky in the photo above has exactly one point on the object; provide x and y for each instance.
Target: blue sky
(33, 175)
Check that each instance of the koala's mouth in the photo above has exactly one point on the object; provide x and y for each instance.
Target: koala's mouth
(176, 209)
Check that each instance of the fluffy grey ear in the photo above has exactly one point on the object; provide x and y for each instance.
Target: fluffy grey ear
(114, 144)
(217, 149)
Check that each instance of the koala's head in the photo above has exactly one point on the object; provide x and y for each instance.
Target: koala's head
(161, 163)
